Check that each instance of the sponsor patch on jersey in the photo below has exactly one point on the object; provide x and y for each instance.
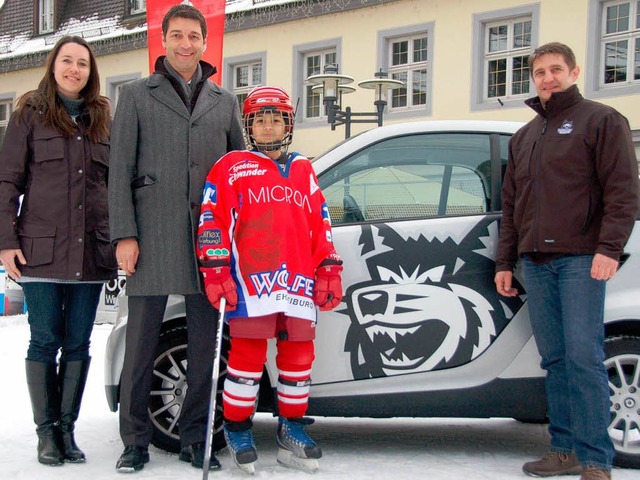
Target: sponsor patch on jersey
(279, 193)
(210, 194)
(245, 168)
(205, 217)
(326, 218)
(210, 237)
(216, 253)
(329, 236)
(566, 128)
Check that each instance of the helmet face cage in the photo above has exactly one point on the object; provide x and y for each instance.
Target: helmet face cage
(275, 145)
(268, 101)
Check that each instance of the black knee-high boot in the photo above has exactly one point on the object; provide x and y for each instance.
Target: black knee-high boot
(72, 378)
(42, 380)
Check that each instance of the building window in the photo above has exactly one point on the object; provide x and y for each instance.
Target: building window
(137, 6)
(407, 54)
(507, 49)
(620, 44)
(6, 107)
(246, 76)
(314, 63)
(408, 63)
(311, 59)
(243, 73)
(45, 16)
(113, 86)
(504, 40)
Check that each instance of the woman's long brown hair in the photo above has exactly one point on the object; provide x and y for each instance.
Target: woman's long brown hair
(45, 97)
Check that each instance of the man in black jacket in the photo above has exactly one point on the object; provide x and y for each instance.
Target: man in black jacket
(570, 199)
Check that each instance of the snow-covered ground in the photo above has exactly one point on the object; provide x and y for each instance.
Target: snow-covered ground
(402, 449)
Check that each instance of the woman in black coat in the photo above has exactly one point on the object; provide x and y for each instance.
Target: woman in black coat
(55, 242)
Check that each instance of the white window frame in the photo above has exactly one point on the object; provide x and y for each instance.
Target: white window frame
(137, 6)
(386, 40)
(229, 71)
(253, 80)
(6, 101)
(326, 57)
(481, 56)
(407, 72)
(631, 36)
(595, 86)
(300, 87)
(508, 54)
(45, 16)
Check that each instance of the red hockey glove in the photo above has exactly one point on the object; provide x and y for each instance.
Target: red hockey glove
(327, 291)
(219, 283)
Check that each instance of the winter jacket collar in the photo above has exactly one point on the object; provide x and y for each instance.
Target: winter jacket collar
(161, 71)
(558, 102)
(207, 68)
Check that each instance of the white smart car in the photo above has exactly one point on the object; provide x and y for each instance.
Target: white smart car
(421, 331)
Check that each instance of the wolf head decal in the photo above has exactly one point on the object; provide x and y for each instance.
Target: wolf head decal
(430, 303)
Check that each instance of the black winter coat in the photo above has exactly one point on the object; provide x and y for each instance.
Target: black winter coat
(571, 185)
(63, 224)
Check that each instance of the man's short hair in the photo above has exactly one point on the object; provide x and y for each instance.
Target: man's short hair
(553, 48)
(184, 11)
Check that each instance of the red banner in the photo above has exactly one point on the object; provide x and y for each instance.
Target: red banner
(213, 11)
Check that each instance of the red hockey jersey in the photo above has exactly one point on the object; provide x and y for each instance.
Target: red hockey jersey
(271, 223)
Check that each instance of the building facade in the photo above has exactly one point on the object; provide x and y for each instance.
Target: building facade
(458, 59)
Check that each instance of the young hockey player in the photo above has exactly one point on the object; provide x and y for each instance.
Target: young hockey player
(265, 244)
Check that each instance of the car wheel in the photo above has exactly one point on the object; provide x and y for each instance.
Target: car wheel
(168, 389)
(622, 361)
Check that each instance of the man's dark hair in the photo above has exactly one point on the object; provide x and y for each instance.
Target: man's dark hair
(553, 48)
(184, 11)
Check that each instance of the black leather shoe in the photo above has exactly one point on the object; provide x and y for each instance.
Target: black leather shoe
(195, 454)
(132, 459)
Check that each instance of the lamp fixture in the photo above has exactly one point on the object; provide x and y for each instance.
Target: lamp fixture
(333, 85)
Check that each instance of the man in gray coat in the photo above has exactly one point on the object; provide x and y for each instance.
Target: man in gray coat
(169, 130)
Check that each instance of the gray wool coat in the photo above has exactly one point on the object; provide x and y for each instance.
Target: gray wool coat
(160, 157)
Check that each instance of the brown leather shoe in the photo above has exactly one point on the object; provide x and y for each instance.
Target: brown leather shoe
(552, 464)
(595, 473)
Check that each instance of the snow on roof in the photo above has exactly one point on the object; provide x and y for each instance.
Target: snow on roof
(94, 28)
(240, 5)
(90, 28)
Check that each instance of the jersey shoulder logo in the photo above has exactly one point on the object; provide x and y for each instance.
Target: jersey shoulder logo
(313, 184)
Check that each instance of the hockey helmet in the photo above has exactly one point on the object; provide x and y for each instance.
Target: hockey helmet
(265, 100)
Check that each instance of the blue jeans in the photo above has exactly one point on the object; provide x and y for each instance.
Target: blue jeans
(61, 317)
(566, 307)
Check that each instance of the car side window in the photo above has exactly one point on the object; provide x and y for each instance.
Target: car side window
(414, 176)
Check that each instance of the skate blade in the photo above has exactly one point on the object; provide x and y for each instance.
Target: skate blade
(288, 459)
(248, 468)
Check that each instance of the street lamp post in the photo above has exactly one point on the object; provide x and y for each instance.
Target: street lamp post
(333, 85)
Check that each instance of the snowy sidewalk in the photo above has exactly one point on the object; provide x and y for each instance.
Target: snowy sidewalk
(354, 449)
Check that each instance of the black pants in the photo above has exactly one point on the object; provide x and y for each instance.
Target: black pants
(143, 330)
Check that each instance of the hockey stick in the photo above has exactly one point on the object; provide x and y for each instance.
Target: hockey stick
(214, 391)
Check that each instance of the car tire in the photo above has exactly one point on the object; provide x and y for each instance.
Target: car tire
(168, 389)
(622, 361)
